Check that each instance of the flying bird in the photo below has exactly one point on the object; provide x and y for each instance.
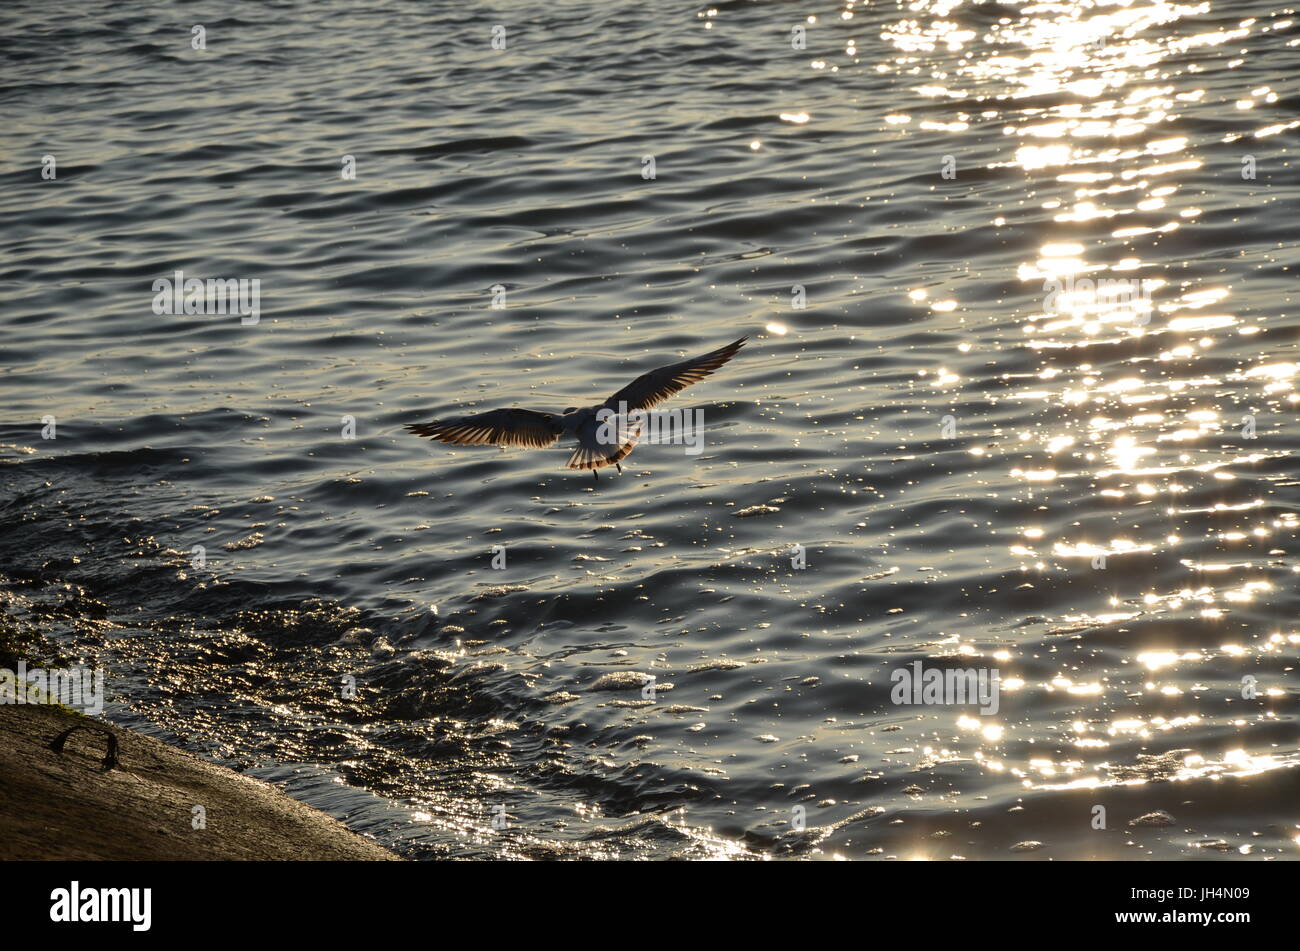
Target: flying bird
(589, 425)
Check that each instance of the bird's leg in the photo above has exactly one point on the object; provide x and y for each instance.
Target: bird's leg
(595, 475)
(619, 467)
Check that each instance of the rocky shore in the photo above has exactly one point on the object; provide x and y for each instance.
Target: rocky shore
(153, 803)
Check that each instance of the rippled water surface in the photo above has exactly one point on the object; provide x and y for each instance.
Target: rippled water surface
(994, 454)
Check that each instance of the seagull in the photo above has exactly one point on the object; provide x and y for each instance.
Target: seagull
(534, 430)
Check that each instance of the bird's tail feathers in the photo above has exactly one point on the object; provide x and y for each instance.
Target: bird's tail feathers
(599, 457)
(608, 449)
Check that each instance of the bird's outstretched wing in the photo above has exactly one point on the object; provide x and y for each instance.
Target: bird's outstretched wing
(498, 427)
(651, 389)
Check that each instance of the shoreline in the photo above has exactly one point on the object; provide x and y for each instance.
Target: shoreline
(157, 803)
